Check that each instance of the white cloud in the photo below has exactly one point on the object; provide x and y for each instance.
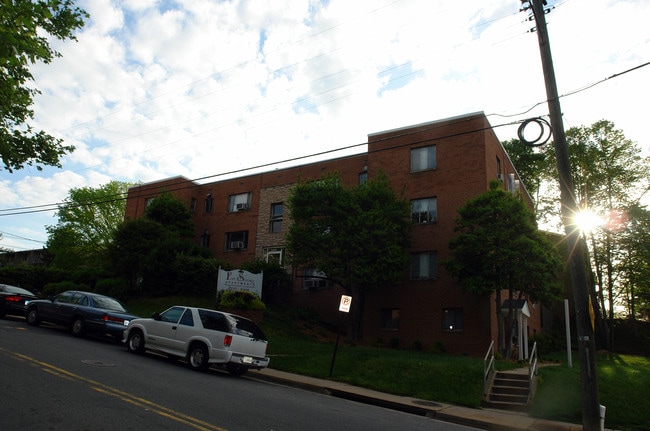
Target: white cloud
(154, 89)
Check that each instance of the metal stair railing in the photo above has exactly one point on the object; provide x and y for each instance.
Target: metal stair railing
(532, 364)
(488, 366)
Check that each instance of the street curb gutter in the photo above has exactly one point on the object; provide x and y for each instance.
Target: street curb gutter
(486, 419)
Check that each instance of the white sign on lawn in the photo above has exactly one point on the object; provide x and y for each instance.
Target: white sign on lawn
(239, 279)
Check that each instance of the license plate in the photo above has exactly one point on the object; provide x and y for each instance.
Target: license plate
(247, 360)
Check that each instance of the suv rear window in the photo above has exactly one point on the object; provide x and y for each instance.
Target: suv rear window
(213, 320)
(246, 328)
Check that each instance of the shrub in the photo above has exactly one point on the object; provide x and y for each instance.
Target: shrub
(239, 300)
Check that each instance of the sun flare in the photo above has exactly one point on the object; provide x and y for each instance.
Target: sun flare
(587, 220)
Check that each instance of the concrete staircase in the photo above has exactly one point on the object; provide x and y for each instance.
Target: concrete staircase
(510, 390)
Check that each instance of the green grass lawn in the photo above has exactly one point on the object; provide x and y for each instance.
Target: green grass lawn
(298, 343)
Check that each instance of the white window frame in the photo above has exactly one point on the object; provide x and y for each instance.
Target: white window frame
(270, 254)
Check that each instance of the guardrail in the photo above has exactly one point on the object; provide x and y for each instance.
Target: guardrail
(488, 366)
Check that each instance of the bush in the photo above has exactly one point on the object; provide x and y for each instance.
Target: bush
(239, 300)
(114, 287)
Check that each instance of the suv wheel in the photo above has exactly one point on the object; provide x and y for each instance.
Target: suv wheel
(135, 342)
(197, 357)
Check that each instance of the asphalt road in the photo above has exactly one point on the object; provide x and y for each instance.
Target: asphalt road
(53, 381)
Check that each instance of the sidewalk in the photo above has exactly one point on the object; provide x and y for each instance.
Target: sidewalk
(487, 419)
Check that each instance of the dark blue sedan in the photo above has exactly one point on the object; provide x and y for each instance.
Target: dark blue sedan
(13, 300)
(82, 312)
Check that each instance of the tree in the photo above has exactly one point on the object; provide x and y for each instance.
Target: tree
(88, 218)
(276, 280)
(499, 248)
(610, 178)
(23, 42)
(157, 254)
(534, 166)
(356, 236)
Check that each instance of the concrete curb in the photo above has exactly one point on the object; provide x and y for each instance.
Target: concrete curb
(487, 419)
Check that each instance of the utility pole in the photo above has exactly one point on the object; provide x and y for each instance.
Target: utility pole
(576, 252)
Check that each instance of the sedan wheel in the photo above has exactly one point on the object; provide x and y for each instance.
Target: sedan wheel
(197, 358)
(135, 342)
(32, 317)
(78, 327)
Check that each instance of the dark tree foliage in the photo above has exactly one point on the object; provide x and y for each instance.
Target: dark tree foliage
(498, 248)
(157, 254)
(357, 236)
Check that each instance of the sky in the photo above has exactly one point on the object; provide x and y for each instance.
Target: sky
(212, 89)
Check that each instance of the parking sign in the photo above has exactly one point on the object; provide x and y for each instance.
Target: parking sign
(346, 301)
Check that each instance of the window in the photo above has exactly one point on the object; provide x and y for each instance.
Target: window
(452, 319)
(214, 321)
(172, 315)
(363, 177)
(209, 203)
(237, 240)
(424, 266)
(314, 279)
(148, 202)
(390, 319)
(187, 318)
(273, 254)
(193, 205)
(275, 224)
(205, 238)
(499, 169)
(423, 159)
(240, 202)
(424, 210)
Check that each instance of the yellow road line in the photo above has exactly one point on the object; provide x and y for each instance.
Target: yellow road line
(116, 393)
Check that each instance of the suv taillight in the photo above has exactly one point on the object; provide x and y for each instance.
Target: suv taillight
(227, 340)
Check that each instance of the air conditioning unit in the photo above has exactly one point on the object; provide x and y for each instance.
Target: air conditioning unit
(315, 283)
(237, 244)
(241, 207)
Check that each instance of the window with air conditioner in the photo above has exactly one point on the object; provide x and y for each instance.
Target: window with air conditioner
(237, 240)
(239, 202)
(314, 279)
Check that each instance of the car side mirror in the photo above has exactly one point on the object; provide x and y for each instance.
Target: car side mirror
(156, 316)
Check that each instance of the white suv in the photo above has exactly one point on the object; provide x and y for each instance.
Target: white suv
(202, 337)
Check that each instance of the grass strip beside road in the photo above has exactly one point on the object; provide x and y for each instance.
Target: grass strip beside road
(299, 343)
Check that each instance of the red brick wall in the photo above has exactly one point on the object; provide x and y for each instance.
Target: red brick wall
(466, 154)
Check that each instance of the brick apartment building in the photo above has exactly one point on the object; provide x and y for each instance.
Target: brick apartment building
(439, 165)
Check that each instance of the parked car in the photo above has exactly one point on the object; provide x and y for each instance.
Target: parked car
(202, 337)
(82, 312)
(13, 300)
